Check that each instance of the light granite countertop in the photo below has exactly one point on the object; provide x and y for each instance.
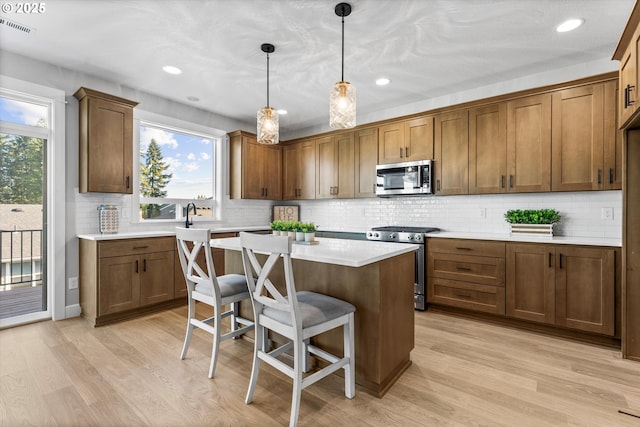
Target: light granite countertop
(506, 237)
(163, 233)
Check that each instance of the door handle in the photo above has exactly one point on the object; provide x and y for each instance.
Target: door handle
(406, 151)
(510, 181)
(599, 176)
(560, 261)
(144, 265)
(501, 181)
(136, 266)
(627, 96)
(550, 259)
(437, 185)
(400, 152)
(610, 175)
(127, 182)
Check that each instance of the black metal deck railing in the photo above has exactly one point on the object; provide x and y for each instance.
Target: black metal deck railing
(21, 257)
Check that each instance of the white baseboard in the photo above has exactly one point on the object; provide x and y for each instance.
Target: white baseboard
(72, 311)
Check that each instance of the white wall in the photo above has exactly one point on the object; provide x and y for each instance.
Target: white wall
(581, 211)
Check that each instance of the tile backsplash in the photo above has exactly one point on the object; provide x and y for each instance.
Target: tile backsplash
(582, 212)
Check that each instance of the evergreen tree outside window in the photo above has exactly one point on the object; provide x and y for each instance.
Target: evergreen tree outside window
(176, 167)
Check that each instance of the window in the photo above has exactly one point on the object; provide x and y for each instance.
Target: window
(177, 166)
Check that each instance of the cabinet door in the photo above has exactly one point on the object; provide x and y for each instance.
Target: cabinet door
(391, 143)
(529, 144)
(307, 171)
(629, 80)
(119, 284)
(272, 179)
(612, 139)
(585, 289)
(156, 280)
(418, 139)
(253, 171)
(290, 171)
(346, 160)
(577, 136)
(452, 153)
(326, 167)
(488, 149)
(366, 159)
(530, 282)
(109, 153)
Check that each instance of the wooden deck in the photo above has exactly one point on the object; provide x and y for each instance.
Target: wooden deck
(16, 302)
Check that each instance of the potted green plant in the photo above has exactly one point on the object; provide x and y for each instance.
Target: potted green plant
(309, 230)
(289, 229)
(298, 229)
(277, 226)
(537, 222)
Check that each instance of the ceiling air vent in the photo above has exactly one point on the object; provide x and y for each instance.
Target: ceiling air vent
(15, 25)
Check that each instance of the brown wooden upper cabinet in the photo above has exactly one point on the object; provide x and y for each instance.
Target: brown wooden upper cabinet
(106, 142)
(451, 147)
(366, 159)
(255, 169)
(629, 66)
(299, 170)
(579, 129)
(529, 144)
(488, 149)
(335, 156)
(406, 141)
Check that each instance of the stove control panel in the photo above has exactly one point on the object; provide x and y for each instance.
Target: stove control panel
(392, 236)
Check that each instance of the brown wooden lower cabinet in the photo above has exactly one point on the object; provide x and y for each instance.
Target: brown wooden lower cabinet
(570, 286)
(120, 277)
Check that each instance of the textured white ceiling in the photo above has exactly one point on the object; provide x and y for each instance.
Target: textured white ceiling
(428, 48)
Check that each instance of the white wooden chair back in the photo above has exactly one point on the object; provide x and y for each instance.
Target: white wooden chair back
(194, 274)
(264, 292)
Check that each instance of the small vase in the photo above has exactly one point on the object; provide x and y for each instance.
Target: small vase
(310, 237)
(292, 235)
(275, 232)
(299, 236)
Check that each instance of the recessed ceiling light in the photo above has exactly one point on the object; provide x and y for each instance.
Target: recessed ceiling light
(569, 24)
(193, 98)
(383, 81)
(282, 112)
(170, 69)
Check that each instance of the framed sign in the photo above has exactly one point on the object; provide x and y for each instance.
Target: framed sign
(286, 213)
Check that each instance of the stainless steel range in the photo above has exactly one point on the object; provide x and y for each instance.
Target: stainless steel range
(415, 235)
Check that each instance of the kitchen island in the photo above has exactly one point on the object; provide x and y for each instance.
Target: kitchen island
(377, 278)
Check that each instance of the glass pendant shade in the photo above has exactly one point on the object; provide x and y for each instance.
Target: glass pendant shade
(342, 106)
(268, 126)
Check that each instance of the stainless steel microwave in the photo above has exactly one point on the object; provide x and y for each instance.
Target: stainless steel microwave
(404, 178)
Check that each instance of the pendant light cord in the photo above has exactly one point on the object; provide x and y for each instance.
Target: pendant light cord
(267, 79)
(342, 75)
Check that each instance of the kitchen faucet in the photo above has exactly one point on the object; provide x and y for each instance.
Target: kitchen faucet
(187, 222)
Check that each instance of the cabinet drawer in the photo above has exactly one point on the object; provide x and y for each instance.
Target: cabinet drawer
(467, 247)
(477, 269)
(111, 248)
(486, 298)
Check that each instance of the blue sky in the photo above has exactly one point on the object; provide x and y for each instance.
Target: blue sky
(190, 160)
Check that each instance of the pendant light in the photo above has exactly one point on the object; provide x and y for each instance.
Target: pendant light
(268, 126)
(342, 102)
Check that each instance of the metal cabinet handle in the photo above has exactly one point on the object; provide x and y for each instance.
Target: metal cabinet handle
(127, 183)
(510, 181)
(610, 175)
(144, 265)
(463, 296)
(140, 247)
(437, 185)
(136, 266)
(550, 259)
(599, 176)
(560, 260)
(400, 152)
(501, 181)
(627, 96)
(406, 151)
(463, 268)
(462, 248)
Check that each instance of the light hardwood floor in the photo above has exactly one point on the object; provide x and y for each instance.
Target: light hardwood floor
(464, 372)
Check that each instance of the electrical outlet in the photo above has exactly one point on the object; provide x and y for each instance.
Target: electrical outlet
(483, 212)
(125, 213)
(607, 213)
(73, 283)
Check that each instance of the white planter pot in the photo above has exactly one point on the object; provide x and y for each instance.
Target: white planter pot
(541, 230)
(292, 235)
(299, 236)
(310, 237)
(275, 232)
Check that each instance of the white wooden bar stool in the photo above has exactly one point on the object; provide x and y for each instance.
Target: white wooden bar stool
(204, 286)
(297, 316)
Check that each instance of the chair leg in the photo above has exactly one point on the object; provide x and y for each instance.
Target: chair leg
(349, 351)
(216, 343)
(255, 368)
(305, 355)
(187, 338)
(299, 354)
(234, 314)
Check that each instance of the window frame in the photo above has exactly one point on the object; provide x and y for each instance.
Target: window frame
(217, 137)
